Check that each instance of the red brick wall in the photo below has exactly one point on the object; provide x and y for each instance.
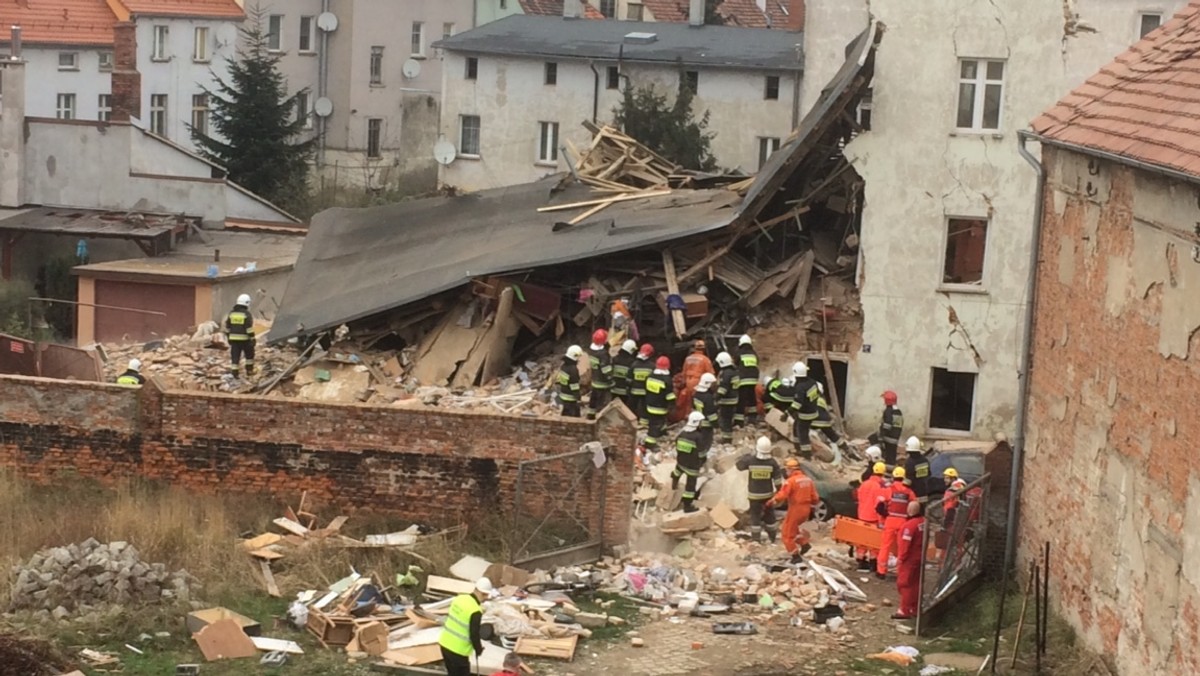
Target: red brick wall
(126, 80)
(1110, 476)
(438, 467)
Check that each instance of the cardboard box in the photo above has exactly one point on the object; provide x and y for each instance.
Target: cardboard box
(197, 620)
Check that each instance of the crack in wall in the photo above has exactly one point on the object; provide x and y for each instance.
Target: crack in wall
(957, 328)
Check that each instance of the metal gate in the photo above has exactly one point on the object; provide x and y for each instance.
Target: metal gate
(953, 560)
(559, 509)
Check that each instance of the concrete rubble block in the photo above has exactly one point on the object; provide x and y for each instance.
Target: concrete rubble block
(681, 521)
(591, 620)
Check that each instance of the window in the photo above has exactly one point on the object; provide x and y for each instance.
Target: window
(548, 142)
(106, 61)
(1148, 21)
(447, 30)
(633, 11)
(377, 65)
(690, 80)
(65, 108)
(68, 60)
(551, 73)
(771, 91)
(418, 38)
(966, 243)
(503, 4)
(863, 113)
(200, 113)
(104, 108)
(472, 68)
(158, 114)
(766, 146)
(200, 49)
(468, 138)
(980, 91)
(952, 401)
(306, 34)
(302, 109)
(159, 52)
(614, 77)
(275, 32)
(374, 136)
(608, 8)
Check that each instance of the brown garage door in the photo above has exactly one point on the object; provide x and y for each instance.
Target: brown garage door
(176, 302)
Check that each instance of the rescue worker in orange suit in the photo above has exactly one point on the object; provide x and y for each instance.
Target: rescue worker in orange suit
(239, 329)
(800, 494)
(600, 361)
(893, 508)
(567, 382)
(763, 475)
(660, 396)
(642, 368)
(747, 383)
(917, 470)
(689, 459)
(890, 428)
(695, 365)
(623, 372)
(727, 396)
(868, 494)
(908, 571)
(704, 401)
(950, 501)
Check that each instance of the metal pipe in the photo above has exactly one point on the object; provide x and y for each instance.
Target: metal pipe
(1014, 489)
(105, 307)
(595, 91)
(322, 87)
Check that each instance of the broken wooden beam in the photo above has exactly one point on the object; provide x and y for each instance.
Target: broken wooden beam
(677, 318)
(604, 200)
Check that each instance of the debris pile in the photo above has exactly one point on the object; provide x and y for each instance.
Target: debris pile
(28, 656)
(78, 577)
(616, 163)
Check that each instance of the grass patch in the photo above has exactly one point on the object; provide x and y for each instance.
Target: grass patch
(620, 607)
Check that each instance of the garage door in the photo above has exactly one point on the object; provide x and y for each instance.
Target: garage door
(176, 302)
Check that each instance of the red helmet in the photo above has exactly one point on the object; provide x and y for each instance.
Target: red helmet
(647, 350)
(663, 363)
(890, 398)
(600, 336)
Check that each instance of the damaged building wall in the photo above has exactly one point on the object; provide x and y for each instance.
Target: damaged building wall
(921, 170)
(432, 466)
(1112, 425)
(829, 25)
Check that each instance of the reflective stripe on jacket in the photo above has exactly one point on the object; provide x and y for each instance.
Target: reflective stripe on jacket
(456, 633)
(239, 325)
(660, 391)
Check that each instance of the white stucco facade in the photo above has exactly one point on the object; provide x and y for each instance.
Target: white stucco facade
(511, 98)
(46, 80)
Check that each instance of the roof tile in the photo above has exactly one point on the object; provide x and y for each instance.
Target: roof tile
(555, 8)
(218, 9)
(59, 22)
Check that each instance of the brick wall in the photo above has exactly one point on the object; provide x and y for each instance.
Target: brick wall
(440, 467)
(1110, 477)
(126, 80)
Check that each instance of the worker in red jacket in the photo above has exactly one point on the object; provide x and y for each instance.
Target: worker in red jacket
(869, 494)
(908, 572)
(894, 510)
(800, 494)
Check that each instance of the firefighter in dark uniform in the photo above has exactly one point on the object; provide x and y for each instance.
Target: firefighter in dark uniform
(239, 328)
(660, 397)
(689, 459)
(747, 383)
(890, 428)
(804, 407)
(642, 368)
(567, 382)
(132, 377)
(727, 396)
(600, 361)
(623, 373)
(779, 395)
(762, 483)
(704, 400)
(917, 472)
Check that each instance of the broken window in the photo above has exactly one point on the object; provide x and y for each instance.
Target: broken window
(863, 112)
(966, 244)
(374, 136)
(551, 73)
(952, 401)
(980, 93)
(548, 142)
(469, 135)
(1147, 22)
(690, 80)
(614, 77)
(766, 147)
(771, 92)
(472, 68)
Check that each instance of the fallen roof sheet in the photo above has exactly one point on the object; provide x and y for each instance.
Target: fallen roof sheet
(358, 262)
(91, 223)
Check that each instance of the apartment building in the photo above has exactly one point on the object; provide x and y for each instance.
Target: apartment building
(778, 14)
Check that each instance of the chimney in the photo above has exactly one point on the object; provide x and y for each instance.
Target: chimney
(126, 80)
(696, 13)
(795, 10)
(12, 131)
(572, 9)
(14, 46)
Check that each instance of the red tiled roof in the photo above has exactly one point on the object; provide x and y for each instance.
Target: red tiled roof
(59, 22)
(218, 9)
(555, 8)
(1144, 104)
(743, 13)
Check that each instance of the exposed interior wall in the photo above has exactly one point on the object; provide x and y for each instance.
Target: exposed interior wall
(265, 289)
(1113, 414)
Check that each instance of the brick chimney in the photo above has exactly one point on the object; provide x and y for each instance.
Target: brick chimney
(126, 80)
(795, 10)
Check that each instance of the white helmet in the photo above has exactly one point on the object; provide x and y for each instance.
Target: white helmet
(629, 346)
(706, 381)
(243, 299)
(788, 382)
(913, 445)
(574, 352)
(724, 360)
(800, 369)
(821, 388)
(762, 448)
(135, 364)
(874, 454)
(744, 340)
(767, 380)
(485, 587)
(693, 420)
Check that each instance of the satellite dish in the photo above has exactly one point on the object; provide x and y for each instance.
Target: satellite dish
(444, 152)
(323, 107)
(327, 22)
(411, 68)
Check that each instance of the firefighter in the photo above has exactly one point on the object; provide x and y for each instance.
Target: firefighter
(763, 477)
(747, 383)
(874, 455)
(779, 395)
(800, 494)
(917, 470)
(824, 422)
(727, 396)
(642, 368)
(623, 372)
(804, 407)
(568, 382)
(239, 328)
(132, 377)
(660, 394)
(695, 365)
(893, 508)
(868, 495)
(950, 502)
(890, 427)
(689, 459)
(908, 570)
(705, 401)
(461, 634)
(601, 363)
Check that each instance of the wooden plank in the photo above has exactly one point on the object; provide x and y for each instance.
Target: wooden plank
(272, 588)
(266, 554)
(498, 346)
(559, 648)
(276, 645)
(592, 203)
(833, 393)
(677, 317)
(593, 211)
(447, 585)
(261, 541)
(290, 526)
(761, 293)
(802, 280)
(414, 656)
(336, 525)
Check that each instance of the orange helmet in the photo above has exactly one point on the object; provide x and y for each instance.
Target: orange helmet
(890, 398)
(600, 336)
(791, 463)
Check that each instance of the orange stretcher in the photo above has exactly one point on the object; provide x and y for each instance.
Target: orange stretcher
(862, 534)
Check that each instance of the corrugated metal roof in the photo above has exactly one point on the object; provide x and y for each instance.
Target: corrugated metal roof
(1143, 105)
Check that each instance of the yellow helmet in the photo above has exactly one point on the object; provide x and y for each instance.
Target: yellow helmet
(879, 468)
(898, 473)
(950, 473)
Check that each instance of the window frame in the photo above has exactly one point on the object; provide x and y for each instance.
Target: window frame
(374, 129)
(159, 127)
(550, 74)
(767, 82)
(306, 34)
(980, 82)
(375, 66)
(951, 431)
(275, 33)
(764, 154)
(303, 109)
(979, 287)
(104, 108)
(641, 11)
(612, 78)
(691, 80)
(417, 40)
(197, 43)
(161, 34)
(471, 68)
(612, 13)
(547, 131)
(448, 29)
(462, 130)
(101, 65)
(74, 61)
(65, 106)
(203, 112)
(1142, 15)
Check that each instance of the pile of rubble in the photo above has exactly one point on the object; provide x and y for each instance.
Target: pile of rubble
(79, 577)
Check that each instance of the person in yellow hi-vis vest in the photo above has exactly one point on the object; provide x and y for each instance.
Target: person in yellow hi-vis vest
(239, 329)
(460, 634)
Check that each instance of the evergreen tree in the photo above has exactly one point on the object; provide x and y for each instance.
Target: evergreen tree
(257, 124)
(668, 128)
